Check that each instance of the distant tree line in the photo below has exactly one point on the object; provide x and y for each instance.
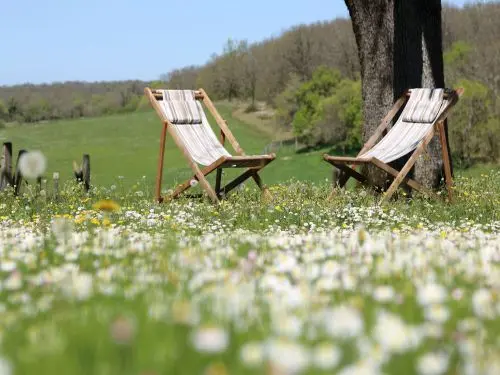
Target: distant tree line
(310, 74)
(34, 103)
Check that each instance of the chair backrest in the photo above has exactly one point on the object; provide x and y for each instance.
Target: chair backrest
(421, 111)
(188, 120)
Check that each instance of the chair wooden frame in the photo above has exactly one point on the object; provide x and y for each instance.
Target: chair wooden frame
(347, 165)
(253, 163)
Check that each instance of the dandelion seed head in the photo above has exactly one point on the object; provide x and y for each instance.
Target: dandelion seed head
(32, 164)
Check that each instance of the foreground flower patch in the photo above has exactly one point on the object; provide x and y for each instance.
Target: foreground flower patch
(116, 284)
(328, 301)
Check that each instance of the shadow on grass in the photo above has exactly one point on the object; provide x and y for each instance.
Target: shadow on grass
(329, 149)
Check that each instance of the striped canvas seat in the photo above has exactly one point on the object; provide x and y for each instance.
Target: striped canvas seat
(417, 119)
(198, 137)
(182, 111)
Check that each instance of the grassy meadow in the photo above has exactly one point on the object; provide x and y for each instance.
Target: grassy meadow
(119, 145)
(112, 283)
(127, 145)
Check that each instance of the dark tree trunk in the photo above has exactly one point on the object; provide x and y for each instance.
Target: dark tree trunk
(373, 25)
(400, 47)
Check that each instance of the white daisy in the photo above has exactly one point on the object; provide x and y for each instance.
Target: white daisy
(344, 322)
(432, 364)
(431, 294)
(252, 354)
(210, 339)
(326, 356)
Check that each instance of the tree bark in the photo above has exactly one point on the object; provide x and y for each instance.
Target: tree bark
(373, 26)
(399, 47)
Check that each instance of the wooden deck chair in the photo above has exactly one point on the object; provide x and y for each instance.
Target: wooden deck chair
(182, 115)
(422, 117)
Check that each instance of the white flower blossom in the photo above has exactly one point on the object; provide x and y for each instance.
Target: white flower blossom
(482, 303)
(252, 354)
(326, 356)
(210, 339)
(344, 322)
(431, 294)
(393, 334)
(384, 293)
(288, 357)
(432, 364)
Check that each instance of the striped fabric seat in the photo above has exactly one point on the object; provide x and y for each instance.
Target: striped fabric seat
(182, 111)
(185, 95)
(411, 127)
(198, 138)
(424, 105)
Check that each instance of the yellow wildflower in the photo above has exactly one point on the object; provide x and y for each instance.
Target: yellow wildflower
(217, 368)
(79, 219)
(106, 205)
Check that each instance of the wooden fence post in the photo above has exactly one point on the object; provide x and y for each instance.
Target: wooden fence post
(55, 179)
(6, 169)
(82, 172)
(86, 172)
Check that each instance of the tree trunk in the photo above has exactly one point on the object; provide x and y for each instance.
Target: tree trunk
(373, 25)
(399, 47)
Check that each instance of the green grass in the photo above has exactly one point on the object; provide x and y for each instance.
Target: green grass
(119, 145)
(89, 292)
(127, 145)
(126, 293)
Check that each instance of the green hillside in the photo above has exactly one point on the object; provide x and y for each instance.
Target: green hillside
(127, 145)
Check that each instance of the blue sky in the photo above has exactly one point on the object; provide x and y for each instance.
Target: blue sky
(57, 40)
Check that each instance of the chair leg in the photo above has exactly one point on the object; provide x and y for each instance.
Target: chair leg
(339, 180)
(409, 165)
(410, 183)
(206, 186)
(402, 173)
(159, 172)
(395, 184)
(180, 189)
(218, 179)
(240, 179)
(266, 194)
(446, 160)
(343, 178)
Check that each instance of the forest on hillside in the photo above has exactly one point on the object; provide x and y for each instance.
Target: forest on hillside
(310, 75)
